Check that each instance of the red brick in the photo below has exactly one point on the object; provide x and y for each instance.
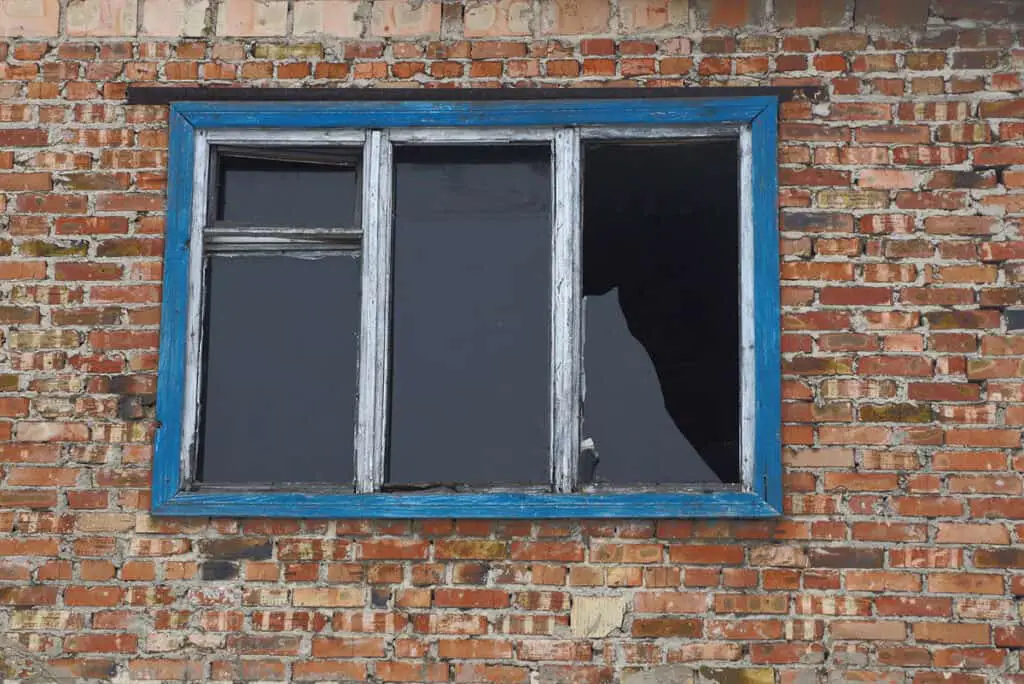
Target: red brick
(470, 598)
(488, 649)
(101, 643)
(949, 633)
(666, 627)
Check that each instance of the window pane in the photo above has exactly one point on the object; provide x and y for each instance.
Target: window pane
(299, 189)
(470, 389)
(280, 386)
(661, 282)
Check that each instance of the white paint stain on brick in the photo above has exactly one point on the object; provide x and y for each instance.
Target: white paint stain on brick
(174, 17)
(252, 18)
(29, 18)
(595, 617)
(102, 17)
(487, 19)
(402, 19)
(641, 16)
(337, 18)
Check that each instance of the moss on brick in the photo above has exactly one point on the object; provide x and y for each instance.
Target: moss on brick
(999, 558)
(746, 675)
(667, 627)
(41, 248)
(297, 51)
(896, 413)
(130, 247)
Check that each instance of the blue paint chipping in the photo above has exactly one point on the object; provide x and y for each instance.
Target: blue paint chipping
(174, 313)
(765, 499)
(767, 371)
(436, 114)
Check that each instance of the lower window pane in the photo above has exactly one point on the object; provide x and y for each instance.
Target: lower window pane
(470, 386)
(661, 286)
(279, 395)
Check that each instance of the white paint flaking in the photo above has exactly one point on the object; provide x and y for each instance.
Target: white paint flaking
(748, 392)
(375, 333)
(566, 306)
(194, 316)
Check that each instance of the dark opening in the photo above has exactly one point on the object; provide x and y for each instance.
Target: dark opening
(1015, 320)
(470, 376)
(280, 382)
(294, 187)
(661, 287)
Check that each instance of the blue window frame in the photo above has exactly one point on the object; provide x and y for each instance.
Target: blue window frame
(196, 126)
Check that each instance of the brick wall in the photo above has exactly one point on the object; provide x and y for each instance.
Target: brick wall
(899, 558)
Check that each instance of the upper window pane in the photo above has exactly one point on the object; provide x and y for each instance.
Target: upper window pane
(470, 397)
(662, 324)
(291, 188)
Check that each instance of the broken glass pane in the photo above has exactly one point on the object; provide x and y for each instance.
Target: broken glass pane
(287, 188)
(661, 330)
(280, 383)
(470, 384)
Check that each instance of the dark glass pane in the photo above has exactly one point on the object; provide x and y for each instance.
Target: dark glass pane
(661, 287)
(286, 192)
(280, 383)
(470, 388)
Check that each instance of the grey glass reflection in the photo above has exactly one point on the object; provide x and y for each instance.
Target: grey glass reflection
(280, 383)
(285, 192)
(661, 287)
(470, 384)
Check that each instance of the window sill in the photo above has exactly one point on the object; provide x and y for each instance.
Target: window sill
(722, 504)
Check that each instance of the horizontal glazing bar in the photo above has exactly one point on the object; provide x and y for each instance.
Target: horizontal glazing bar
(308, 250)
(455, 136)
(655, 132)
(297, 136)
(228, 231)
(264, 240)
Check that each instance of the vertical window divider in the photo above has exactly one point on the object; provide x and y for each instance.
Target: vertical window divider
(566, 308)
(748, 370)
(375, 333)
(196, 300)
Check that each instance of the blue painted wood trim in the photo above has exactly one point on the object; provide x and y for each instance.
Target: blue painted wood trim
(541, 113)
(173, 312)
(764, 501)
(295, 505)
(767, 374)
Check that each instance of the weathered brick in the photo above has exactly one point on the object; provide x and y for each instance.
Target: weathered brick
(834, 557)
(485, 19)
(172, 18)
(395, 18)
(810, 12)
(102, 17)
(29, 18)
(910, 14)
(252, 18)
(332, 17)
(236, 549)
(666, 627)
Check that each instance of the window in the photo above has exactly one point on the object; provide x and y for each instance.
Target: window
(524, 308)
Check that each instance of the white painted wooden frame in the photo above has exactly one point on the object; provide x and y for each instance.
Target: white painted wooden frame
(281, 137)
(196, 280)
(375, 333)
(748, 391)
(376, 229)
(566, 310)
